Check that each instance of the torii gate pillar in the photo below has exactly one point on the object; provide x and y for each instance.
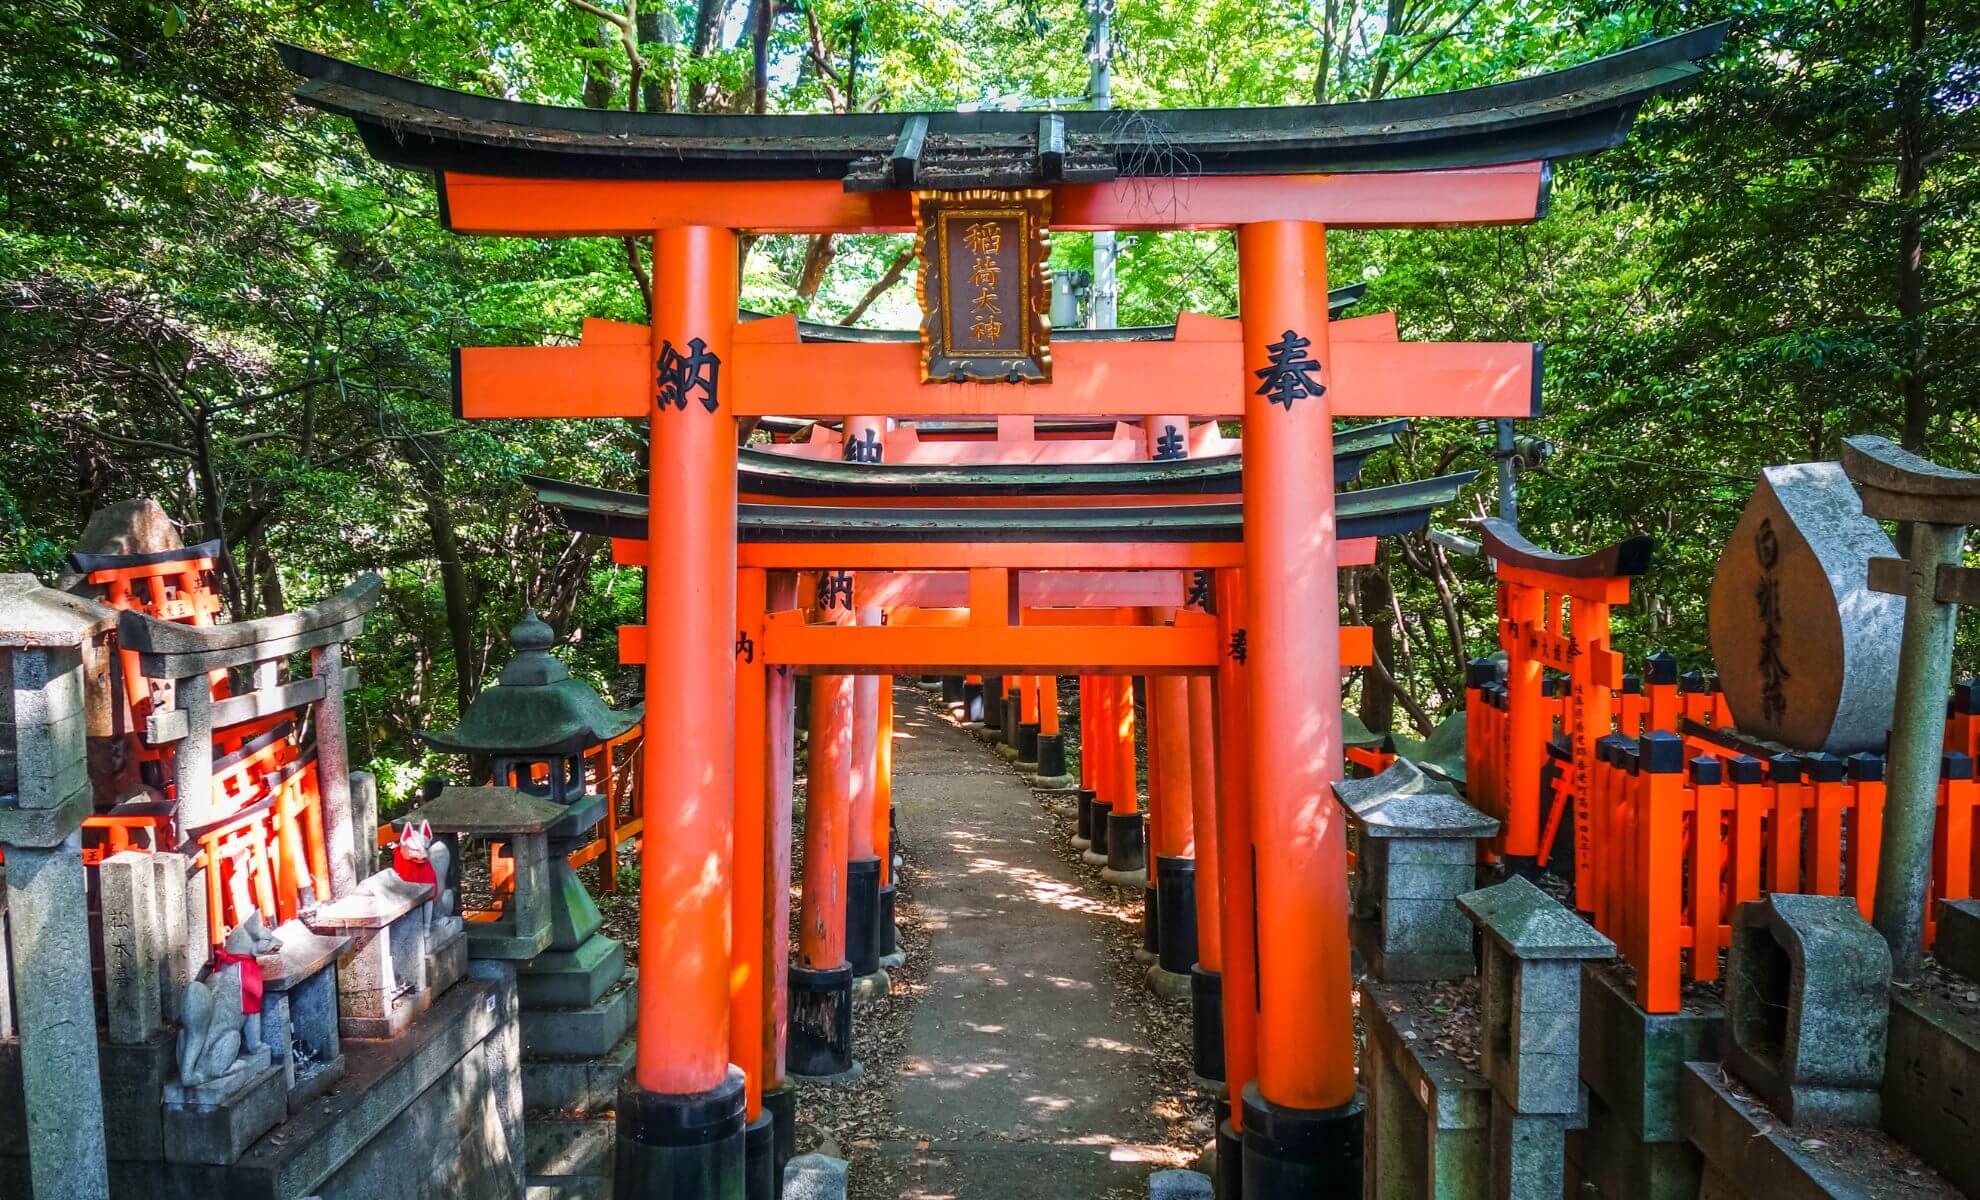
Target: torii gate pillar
(1301, 1119)
(681, 1119)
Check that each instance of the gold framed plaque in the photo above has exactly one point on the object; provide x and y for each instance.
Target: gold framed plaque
(985, 288)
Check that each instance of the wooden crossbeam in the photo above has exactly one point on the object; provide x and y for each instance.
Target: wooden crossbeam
(1183, 377)
(961, 556)
(1495, 195)
(1053, 641)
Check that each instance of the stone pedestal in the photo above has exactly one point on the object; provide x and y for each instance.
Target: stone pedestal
(1427, 1128)
(1808, 1008)
(1418, 853)
(381, 975)
(216, 1123)
(1633, 1062)
(299, 1013)
(1530, 1005)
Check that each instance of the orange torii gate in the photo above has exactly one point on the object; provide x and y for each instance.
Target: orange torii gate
(1279, 178)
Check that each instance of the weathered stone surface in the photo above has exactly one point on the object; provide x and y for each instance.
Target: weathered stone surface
(176, 967)
(1418, 854)
(47, 916)
(571, 978)
(1958, 945)
(220, 1133)
(1616, 1163)
(567, 1158)
(436, 1113)
(364, 815)
(1529, 923)
(1808, 650)
(1180, 1185)
(136, 526)
(1807, 986)
(35, 616)
(446, 957)
(132, 946)
(1402, 802)
(1633, 1060)
(1747, 1151)
(133, 1079)
(815, 1177)
(42, 828)
(1932, 1065)
(578, 1032)
(577, 1085)
(1529, 1155)
(1425, 1133)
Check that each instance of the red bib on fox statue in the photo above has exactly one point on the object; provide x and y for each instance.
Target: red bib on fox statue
(409, 868)
(250, 976)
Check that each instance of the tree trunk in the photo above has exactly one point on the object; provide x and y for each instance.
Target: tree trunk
(1378, 699)
(599, 85)
(659, 89)
(454, 584)
(708, 16)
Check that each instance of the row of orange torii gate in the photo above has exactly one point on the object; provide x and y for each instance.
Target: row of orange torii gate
(726, 626)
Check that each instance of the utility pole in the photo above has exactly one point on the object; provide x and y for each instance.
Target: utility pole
(1102, 311)
(1508, 494)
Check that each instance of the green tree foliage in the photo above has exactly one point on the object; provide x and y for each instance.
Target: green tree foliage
(214, 297)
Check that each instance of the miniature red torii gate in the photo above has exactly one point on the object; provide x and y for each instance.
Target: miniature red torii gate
(1279, 179)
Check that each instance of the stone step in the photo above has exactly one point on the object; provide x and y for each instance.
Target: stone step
(580, 1032)
(576, 1084)
(562, 1147)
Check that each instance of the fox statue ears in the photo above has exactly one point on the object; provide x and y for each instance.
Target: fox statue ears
(423, 835)
(426, 830)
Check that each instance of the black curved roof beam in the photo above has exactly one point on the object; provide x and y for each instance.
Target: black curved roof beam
(1555, 115)
(760, 472)
(1373, 512)
(1503, 541)
(768, 474)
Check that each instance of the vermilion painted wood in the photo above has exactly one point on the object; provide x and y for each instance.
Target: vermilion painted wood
(1357, 641)
(1235, 861)
(748, 962)
(779, 749)
(1007, 650)
(1305, 992)
(950, 556)
(1072, 587)
(689, 773)
(1197, 378)
(1494, 195)
(1203, 806)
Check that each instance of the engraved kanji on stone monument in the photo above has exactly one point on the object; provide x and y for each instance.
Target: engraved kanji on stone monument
(1806, 650)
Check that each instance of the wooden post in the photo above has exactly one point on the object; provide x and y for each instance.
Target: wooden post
(1236, 860)
(1302, 1130)
(780, 744)
(751, 962)
(821, 984)
(681, 1128)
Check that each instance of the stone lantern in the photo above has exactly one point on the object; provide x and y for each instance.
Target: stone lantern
(575, 992)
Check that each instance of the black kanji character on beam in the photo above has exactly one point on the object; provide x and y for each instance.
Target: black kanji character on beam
(868, 451)
(835, 589)
(1291, 375)
(1199, 590)
(1238, 647)
(1169, 447)
(682, 375)
(745, 647)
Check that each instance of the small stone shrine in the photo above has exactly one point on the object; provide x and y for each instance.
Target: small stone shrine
(576, 997)
(1418, 853)
(1530, 1003)
(1808, 1008)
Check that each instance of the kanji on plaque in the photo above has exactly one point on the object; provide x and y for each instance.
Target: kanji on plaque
(985, 294)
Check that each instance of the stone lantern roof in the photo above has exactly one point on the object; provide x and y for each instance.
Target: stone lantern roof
(536, 707)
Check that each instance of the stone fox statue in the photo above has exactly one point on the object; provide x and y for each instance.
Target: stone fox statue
(220, 1019)
(419, 862)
